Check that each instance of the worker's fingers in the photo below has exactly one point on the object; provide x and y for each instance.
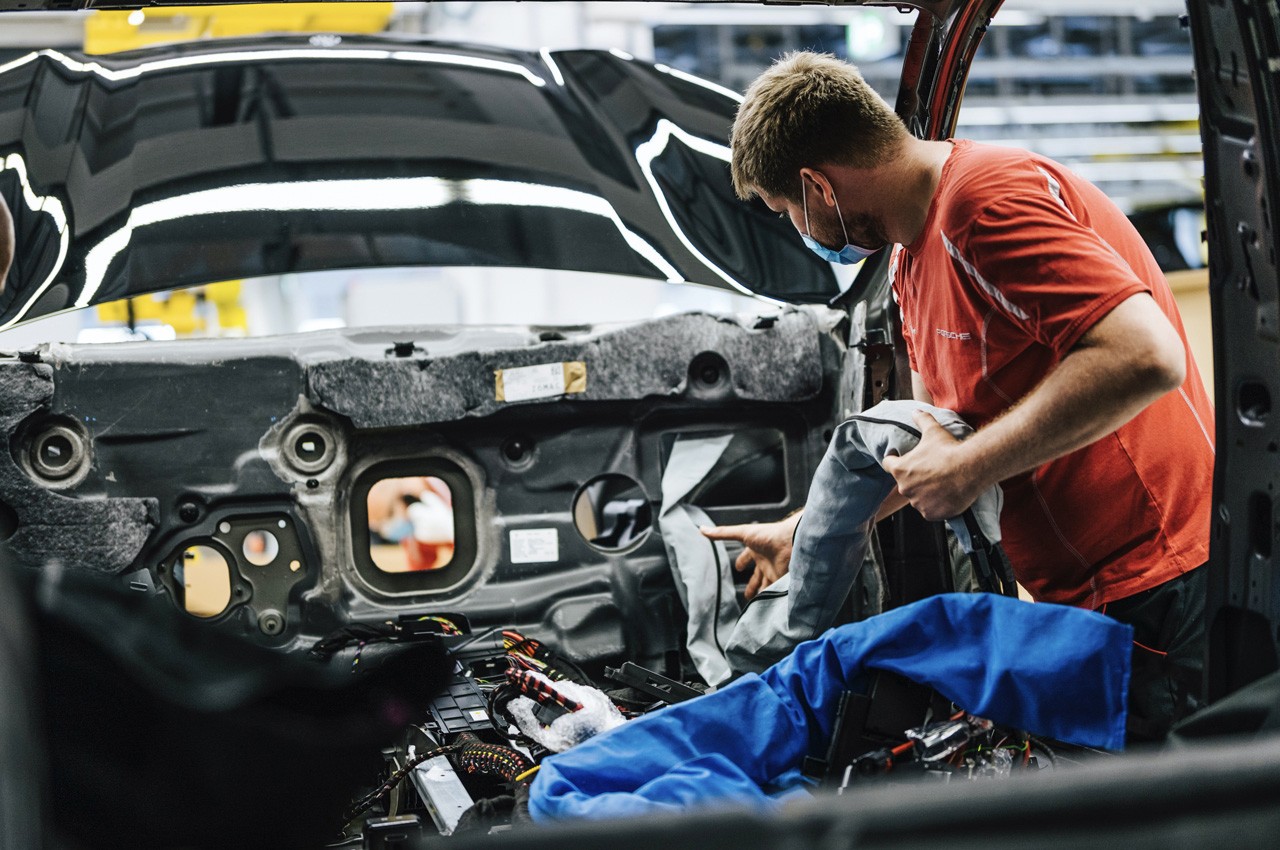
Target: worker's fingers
(726, 532)
(746, 559)
(753, 585)
(929, 426)
(890, 464)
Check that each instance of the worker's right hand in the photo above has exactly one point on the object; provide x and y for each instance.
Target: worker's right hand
(767, 549)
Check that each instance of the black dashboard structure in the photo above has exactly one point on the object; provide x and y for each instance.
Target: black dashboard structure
(172, 454)
(134, 463)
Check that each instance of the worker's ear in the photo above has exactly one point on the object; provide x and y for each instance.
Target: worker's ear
(817, 182)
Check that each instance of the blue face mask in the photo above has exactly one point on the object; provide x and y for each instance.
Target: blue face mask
(846, 256)
(397, 530)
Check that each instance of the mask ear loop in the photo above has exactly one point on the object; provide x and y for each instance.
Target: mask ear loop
(804, 200)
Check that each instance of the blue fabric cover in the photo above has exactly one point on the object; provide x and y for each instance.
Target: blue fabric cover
(1052, 670)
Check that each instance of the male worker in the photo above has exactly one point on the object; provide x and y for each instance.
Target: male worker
(1033, 309)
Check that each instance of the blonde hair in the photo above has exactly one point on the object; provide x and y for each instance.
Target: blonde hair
(807, 110)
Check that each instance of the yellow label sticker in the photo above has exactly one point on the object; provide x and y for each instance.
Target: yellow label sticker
(546, 380)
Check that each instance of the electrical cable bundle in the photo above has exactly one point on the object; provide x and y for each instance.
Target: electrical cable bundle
(475, 756)
(361, 634)
(540, 690)
(533, 655)
(524, 654)
(963, 745)
(447, 626)
(517, 662)
(532, 671)
(368, 801)
(356, 633)
(472, 756)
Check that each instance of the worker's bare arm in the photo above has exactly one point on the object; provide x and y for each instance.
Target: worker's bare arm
(1131, 357)
(918, 390)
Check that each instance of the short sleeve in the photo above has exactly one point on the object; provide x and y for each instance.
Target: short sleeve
(1045, 270)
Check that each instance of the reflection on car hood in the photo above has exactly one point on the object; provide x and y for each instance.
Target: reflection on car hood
(211, 161)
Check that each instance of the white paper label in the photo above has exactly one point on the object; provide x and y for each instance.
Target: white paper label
(526, 382)
(534, 546)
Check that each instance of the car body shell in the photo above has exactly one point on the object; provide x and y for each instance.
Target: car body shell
(421, 400)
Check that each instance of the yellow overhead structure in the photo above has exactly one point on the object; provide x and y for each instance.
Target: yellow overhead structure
(225, 297)
(181, 311)
(111, 32)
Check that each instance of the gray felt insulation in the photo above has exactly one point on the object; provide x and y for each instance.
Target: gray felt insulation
(98, 535)
(778, 363)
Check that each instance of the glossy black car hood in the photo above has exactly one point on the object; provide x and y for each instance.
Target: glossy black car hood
(214, 161)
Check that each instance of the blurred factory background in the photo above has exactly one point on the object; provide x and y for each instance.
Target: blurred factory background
(1103, 87)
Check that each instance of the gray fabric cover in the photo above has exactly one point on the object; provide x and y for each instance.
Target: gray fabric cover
(99, 535)
(831, 540)
(781, 362)
(699, 566)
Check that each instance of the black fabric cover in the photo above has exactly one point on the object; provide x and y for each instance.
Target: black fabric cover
(165, 732)
(1252, 710)
(1207, 795)
(22, 779)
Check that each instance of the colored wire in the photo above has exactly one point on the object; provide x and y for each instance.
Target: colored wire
(327, 647)
(448, 626)
(476, 756)
(539, 691)
(520, 646)
(355, 662)
(365, 633)
(473, 638)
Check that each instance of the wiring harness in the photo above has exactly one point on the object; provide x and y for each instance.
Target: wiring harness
(532, 671)
(390, 631)
(962, 746)
(522, 667)
(471, 755)
(476, 757)
(371, 799)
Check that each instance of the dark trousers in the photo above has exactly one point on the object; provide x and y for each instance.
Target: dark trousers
(1168, 653)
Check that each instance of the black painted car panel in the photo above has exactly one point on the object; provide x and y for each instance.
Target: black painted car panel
(211, 161)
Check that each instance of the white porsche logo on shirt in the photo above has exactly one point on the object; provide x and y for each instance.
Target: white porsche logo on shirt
(945, 334)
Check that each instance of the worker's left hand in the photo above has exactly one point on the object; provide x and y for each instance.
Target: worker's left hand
(933, 476)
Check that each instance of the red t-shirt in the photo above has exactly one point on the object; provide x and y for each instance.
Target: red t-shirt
(1018, 258)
